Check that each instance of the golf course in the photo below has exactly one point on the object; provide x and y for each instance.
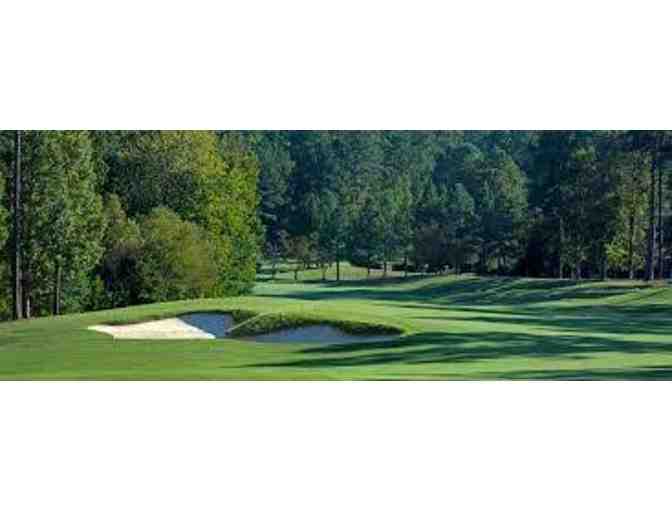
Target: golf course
(445, 327)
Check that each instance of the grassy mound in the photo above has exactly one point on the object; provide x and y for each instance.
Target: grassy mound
(238, 316)
(271, 322)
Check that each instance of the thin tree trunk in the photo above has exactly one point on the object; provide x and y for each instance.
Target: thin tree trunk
(338, 268)
(561, 244)
(661, 259)
(405, 265)
(56, 309)
(527, 266)
(27, 290)
(631, 239)
(483, 258)
(651, 234)
(17, 294)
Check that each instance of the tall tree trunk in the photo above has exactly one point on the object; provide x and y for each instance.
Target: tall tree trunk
(561, 244)
(385, 267)
(368, 265)
(27, 291)
(338, 268)
(56, 307)
(483, 258)
(661, 259)
(651, 234)
(631, 239)
(605, 268)
(405, 265)
(17, 294)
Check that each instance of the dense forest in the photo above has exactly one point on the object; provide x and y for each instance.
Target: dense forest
(99, 219)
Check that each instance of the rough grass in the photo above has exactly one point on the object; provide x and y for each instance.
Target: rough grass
(454, 328)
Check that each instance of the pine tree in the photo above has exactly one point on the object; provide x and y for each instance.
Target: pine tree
(275, 171)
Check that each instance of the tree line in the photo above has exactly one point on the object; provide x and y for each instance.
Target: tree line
(577, 204)
(98, 219)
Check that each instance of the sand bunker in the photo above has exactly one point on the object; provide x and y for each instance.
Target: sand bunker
(316, 334)
(190, 326)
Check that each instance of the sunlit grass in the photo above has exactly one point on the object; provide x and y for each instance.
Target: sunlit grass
(455, 328)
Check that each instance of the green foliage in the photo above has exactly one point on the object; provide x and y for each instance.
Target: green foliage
(164, 169)
(62, 216)
(123, 249)
(177, 261)
(4, 213)
(275, 171)
(331, 222)
(368, 233)
(205, 178)
(626, 249)
(302, 250)
(501, 209)
(231, 216)
(5, 290)
(548, 203)
(431, 247)
(5, 260)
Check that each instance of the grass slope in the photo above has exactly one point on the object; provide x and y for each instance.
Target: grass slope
(270, 322)
(456, 328)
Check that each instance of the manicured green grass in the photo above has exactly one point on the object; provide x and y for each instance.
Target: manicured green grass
(285, 272)
(270, 322)
(455, 328)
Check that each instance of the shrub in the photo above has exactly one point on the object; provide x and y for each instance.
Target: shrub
(177, 260)
(119, 268)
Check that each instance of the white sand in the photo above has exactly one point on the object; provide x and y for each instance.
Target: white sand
(318, 334)
(195, 325)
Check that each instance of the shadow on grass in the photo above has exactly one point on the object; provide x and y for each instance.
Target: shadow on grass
(450, 348)
(479, 291)
(644, 373)
(589, 322)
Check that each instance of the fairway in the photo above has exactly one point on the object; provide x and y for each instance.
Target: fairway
(463, 327)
